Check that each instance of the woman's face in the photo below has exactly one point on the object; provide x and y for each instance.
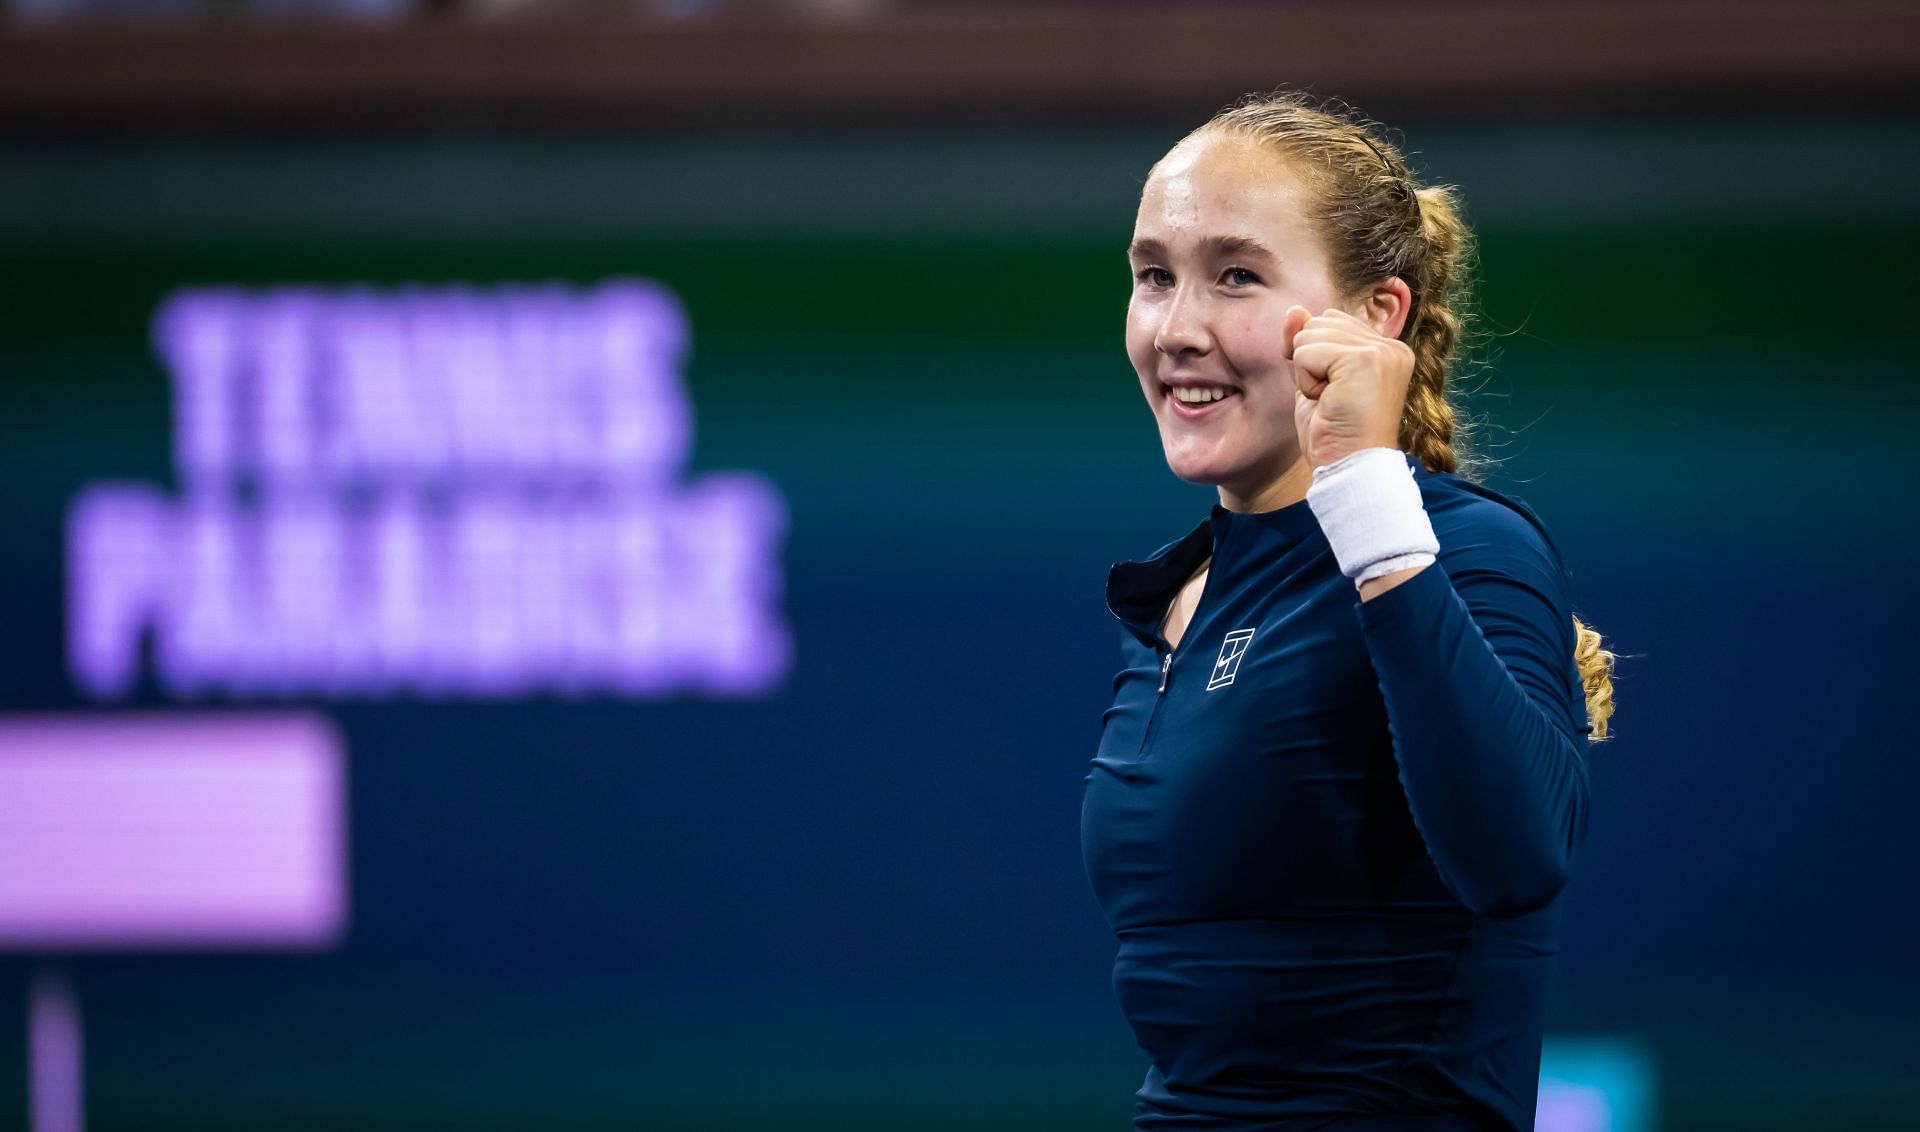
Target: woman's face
(1221, 249)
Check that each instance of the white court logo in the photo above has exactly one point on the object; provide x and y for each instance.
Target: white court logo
(1231, 650)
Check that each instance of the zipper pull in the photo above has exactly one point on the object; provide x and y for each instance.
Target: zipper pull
(1165, 665)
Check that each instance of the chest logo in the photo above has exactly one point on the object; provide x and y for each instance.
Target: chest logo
(1228, 666)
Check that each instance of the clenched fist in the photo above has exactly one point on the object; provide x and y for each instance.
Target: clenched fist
(1352, 384)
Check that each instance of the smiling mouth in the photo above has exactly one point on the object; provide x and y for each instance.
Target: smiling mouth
(1198, 400)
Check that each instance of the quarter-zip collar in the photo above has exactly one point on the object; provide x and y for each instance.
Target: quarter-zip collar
(1139, 592)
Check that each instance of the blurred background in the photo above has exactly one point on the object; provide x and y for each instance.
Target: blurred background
(585, 523)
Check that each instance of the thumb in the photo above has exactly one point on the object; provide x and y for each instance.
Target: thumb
(1295, 323)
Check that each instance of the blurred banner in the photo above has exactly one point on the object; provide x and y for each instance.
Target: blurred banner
(440, 490)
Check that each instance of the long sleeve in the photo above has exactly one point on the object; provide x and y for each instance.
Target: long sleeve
(1473, 655)
(1286, 947)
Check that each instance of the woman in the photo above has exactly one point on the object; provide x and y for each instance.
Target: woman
(1344, 776)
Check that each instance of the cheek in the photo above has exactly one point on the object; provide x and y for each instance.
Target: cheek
(1141, 328)
(1256, 340)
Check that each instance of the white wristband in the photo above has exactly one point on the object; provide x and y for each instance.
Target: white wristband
(1368, 505)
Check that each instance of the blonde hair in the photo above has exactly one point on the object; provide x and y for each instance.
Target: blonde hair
(1375, 223)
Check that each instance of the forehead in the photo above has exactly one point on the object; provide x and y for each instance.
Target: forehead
(1223, 186)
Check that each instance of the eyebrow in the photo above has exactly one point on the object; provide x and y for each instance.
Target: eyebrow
(1220, 246)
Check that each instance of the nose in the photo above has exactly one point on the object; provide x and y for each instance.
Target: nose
(1184, 330)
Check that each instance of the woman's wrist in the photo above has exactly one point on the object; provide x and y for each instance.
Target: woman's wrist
(1368, 505)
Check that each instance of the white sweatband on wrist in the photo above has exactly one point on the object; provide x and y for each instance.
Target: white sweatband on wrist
(1368, 505)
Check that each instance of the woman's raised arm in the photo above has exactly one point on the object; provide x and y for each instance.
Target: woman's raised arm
(1474, 658)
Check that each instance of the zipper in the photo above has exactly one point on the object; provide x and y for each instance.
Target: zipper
(1159, 698)
(1166, 662)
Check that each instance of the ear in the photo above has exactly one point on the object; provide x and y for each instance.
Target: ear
(1386, 305)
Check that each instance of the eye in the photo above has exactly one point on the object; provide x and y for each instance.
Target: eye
(1155, 276)
(1240, 277)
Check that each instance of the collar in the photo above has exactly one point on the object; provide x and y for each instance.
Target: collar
(1139, 591)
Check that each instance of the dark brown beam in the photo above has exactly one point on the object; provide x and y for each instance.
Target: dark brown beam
(1087, 58)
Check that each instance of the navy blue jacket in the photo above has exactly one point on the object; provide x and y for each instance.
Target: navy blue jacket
(1329, 834)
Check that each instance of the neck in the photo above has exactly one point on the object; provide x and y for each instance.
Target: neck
(1269, 494)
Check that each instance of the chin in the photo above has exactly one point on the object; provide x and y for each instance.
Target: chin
(1213, 473)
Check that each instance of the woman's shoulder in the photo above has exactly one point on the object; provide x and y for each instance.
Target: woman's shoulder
(1466, 506)
(1478, 525)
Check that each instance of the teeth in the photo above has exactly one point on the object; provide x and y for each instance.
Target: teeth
(1199, 396)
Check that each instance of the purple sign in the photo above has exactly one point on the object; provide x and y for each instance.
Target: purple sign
(1572, 1108)
(157, 831)
(55, 1077)
(455, 384)
(446, 492)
